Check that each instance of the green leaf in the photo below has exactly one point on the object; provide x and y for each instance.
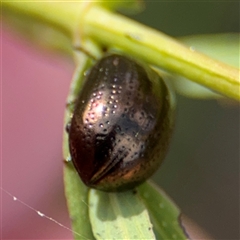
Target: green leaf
(77, 198)
(223, 47)
(76, 192)
(164, 214)
(119, 216)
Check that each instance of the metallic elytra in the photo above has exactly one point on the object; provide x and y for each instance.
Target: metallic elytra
(121, 125)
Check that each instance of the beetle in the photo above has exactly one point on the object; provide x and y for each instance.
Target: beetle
(121, 125)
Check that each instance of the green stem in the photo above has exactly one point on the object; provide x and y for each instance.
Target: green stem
(161, 50)
(61, 15)
(116, 31)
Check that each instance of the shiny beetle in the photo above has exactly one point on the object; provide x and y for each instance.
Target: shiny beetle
(121, 125)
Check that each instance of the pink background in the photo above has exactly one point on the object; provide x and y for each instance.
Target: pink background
(34, 88)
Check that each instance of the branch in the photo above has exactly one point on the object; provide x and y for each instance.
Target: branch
(90, 20)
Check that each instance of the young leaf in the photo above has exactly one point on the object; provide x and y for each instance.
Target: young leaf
(119, 216)
(77, 197)
(75, 191)
(223, 47)
(164, 214)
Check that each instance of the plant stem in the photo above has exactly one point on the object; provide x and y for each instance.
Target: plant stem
(61, 15)
(119, 32)
(161, 50)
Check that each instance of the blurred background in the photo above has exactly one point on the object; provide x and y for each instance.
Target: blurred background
(200, 173)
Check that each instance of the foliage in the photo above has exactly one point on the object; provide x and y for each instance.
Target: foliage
(147, 212)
